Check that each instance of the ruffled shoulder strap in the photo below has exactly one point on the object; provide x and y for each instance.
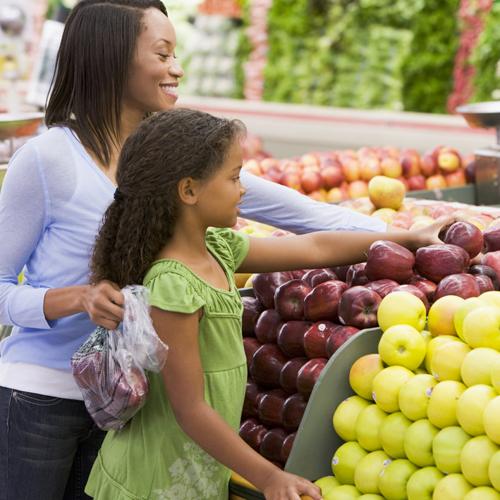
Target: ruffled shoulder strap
(231, 247)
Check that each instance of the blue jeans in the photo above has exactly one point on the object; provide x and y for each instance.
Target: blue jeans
(47, 447)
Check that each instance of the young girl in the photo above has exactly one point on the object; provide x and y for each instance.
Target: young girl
(168, 229)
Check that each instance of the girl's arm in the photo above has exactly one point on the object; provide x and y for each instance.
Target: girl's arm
(183, 379)
(325, 249)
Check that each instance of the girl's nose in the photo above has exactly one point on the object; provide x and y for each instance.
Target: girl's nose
(176, 69)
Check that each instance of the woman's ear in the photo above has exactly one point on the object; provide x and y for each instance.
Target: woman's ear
(189, 189)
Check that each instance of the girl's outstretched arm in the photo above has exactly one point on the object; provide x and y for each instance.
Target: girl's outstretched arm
(183, 379)
(329, 248)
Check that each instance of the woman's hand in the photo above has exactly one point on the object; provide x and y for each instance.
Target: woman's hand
(281, 485)
(430, 235)
(104, 304)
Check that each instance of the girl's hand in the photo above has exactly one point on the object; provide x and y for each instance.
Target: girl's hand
(104, 304)
(284, 486)
(430, 235)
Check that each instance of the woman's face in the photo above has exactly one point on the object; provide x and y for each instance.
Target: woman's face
(154, 73)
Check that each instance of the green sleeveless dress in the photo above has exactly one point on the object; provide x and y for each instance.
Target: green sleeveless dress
(152, 458)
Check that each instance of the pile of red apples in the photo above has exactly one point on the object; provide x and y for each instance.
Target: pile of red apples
(297, 320)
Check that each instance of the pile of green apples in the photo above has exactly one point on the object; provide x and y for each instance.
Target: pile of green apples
(424, 422)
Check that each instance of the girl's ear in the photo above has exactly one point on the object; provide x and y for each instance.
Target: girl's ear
(189, 189)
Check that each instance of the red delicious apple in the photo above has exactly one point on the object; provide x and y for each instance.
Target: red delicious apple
(252, 396)
(428, 165)
(250, 344)
(387, 259)
(491, 240)
(252, 432)
(293, 411)
(323, 301)
(492, 259)
(265, 285)
(315, 339)
(356, 275)
(427, 286)
(311, 181)
(437, 261)
(338, 337)
(382, 287)
(314, 277)
(272, 443)
(268, 326)
(416, 183)
(341, 272)
(332, 176)
(481, 269)
(309, 374)
(298, 274)
(414, 291)
(270, 409)
(289, 372)
(463, 285)
(410, 161)
(465, 235)
(289, 299)
(358, 307)
(266, 365)
(291, 338)
(286, 449)
(484, 283)
(251, 311)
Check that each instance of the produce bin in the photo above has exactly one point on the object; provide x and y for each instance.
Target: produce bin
(463, 194)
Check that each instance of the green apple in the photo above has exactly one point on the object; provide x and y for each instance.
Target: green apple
(481, 327)
(344, 461)
(433, 344)
(465, 308)
(401, 308)
(417, 442)
(475, 458)
(446, 448)
(394, 478)
(326, 484)
(491, 420)
(482, 493)
(451, 487)
(441, 313)
(402, 345)
(346, 415)
(491, 298)
(366, 475)
(494, 470)
(478, 364)
(386, 386)
(370, 496)
(470, 408)
(368, 426)
(447, 361)
(344, 492)
(362, 373)
(442, 407)
(421, 484)
(391, 434)
(414, 396)
(495, 375)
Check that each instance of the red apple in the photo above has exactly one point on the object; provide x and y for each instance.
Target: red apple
(271, 444)
(268, 163)
(470, 172)
(314, 277)
(332, 176)
(369, 168)
(435, 182)
(410, 162)
(338, 337)
(252, 396)
(437, 261)
(266, 365)
(416, 183)
(270, 409)
(341, 272)
(492, 259)
(275, 174)
(465, 235)
(414, 291)
(358, 307)
(428, 165)
(289, 372)
(286, 449)
(251, 311)
(481, 269)
(252, 432)
(427, 286)
(350, 169)
(484, 283)
(311, 181)
(253, 167)
(322, 302)
(309, 374)
(315, 339)
(357, 189)
(456, 179)
(291, 338)
(449, 160)
(463, 285)
(382, 287)
(250, 344)
(293, 411)
(391, 167)
(268, 326)
(289, 299)
(356, 275)
(491, 240)
(387, 259)
(265, 284)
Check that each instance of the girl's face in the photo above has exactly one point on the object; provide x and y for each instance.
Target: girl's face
(154, 73)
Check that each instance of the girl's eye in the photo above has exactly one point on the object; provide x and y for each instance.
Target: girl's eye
(236, 179)
(165, 56)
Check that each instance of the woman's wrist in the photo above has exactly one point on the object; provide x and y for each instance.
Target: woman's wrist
(81, 297)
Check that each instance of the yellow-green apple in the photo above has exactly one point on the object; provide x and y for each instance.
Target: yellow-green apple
(494, 470)
(385, 192)
(495, 375)
(368, 427)
(326, 484)
(421, 221)
(465, 308)
(482, 493)
(414, 396)
(447, 361)
(386, 386)
(491, 419)
(391, 167)
(370, 496)
(346, 416)
(344, 461)
(470, 408)
(385, 214)
(446, 448)
(475, 458)
(366, 475)
(481, 327)
(388, 260)
(394, 479)
(421, 484)
(441, 313)
(451, 487)
(433, 344)
(391, 434)
(362, 373)
(335, 195)
(435, 182)
(401, 308)
(344, 492)
(491, 298)
(418, 442)
(442, 407)
(402, 345)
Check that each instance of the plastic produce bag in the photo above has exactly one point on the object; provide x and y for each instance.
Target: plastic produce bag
(109, 368)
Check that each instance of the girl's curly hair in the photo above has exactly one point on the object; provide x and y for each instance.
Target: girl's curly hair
(164, 149)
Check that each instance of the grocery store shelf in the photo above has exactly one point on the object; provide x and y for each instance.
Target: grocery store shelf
(289, 129)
